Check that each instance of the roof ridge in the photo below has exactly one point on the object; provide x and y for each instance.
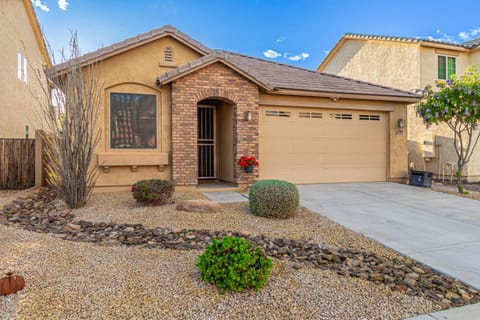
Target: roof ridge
(365, 82)
(402, 38)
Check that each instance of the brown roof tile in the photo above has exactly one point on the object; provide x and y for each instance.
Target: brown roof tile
(276, 76)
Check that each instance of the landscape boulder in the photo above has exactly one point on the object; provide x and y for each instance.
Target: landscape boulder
(198, 206)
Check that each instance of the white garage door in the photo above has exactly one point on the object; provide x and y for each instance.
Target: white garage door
(322, 145)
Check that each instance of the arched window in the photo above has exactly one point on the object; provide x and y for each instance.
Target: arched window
(168, 55)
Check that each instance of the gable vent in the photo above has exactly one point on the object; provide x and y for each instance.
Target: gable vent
(168, 55)
(371, 117)
(342, 116)
(275, 113)
(312, 115)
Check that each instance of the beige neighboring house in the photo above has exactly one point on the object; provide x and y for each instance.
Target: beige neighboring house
(409, 64)
(23, 54)
(175, 109)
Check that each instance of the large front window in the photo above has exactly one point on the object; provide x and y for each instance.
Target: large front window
(446, 67)
(133, 121)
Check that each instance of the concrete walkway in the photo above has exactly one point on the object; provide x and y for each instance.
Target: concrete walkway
(437, 229)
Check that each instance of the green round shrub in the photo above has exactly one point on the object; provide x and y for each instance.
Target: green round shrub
(274, 199)
(234, 264)
(153, 191)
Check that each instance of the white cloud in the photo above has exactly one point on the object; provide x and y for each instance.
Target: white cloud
(325, 52)
(301, 56)
(280, 39)
(42, 6)
(63, 4)
(469, 35)
(464, 35)
(272, 54)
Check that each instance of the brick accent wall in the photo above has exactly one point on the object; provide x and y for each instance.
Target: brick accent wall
(215, 81)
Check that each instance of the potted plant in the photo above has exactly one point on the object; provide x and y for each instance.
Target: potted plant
(247, 163)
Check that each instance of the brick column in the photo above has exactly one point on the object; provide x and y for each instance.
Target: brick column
(215, 81)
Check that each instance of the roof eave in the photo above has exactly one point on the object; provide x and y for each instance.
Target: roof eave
(443, 46)
(101, 57)
(346, 95)
(32, 18)
(245, 74)
(331, 54)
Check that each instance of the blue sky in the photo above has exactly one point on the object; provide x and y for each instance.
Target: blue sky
(294, 32)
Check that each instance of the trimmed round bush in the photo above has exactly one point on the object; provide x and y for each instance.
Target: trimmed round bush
(153, 191)
(274, 199)
(234, 264)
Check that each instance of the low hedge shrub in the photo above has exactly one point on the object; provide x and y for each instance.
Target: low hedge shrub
(153, 191)
(274, 199)
(234, 264)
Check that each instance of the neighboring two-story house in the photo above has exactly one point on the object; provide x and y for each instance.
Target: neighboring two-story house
(409, 64)
(23, 56)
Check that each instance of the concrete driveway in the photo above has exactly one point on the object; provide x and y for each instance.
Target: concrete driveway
(439, 230)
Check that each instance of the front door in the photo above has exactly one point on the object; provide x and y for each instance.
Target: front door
(206, 142)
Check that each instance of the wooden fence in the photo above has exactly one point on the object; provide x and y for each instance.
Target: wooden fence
(17, 163)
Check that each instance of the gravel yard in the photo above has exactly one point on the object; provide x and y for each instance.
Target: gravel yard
(451, 188)
(116, 259)
(5, 193)
(72, 280)
(121, 208)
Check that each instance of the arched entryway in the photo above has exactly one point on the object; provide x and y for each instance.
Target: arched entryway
(215, 140)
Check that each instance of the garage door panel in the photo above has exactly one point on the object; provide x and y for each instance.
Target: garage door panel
(323, 149)
(313, 160)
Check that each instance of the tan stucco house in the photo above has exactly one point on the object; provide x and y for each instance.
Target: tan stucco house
(409, 64)
(174, 109)
(23, 53)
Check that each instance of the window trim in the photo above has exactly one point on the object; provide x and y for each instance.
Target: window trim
(447, 75)
(157, 125)
(22, 68)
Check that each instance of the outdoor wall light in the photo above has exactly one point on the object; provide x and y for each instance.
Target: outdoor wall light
(401, 123)
(248, 115)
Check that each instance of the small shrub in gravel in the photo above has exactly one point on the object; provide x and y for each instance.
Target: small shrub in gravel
(234, 264)
(274, 199)
(153, 192)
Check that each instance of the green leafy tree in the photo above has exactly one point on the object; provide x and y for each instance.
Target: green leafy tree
(456, 102)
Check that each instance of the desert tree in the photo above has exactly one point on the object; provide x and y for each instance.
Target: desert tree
(455, 102)
(69, 115)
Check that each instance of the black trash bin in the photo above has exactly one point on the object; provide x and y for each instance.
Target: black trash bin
(420, 178)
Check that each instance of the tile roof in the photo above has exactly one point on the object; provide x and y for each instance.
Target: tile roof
(272, 76)
(132, 42)
(467, 45)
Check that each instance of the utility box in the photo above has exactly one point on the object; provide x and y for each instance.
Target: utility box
(420, 178)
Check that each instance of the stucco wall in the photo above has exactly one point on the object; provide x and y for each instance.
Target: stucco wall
(19, 106)
(378, 62)
(397, 152)
(475, 58)
(429, 63)
(135, 71)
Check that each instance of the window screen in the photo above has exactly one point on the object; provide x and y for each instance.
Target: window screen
(442, 70)
(451, 66)
(133, 121)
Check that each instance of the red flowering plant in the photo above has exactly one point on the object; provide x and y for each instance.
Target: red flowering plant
(245, 161)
